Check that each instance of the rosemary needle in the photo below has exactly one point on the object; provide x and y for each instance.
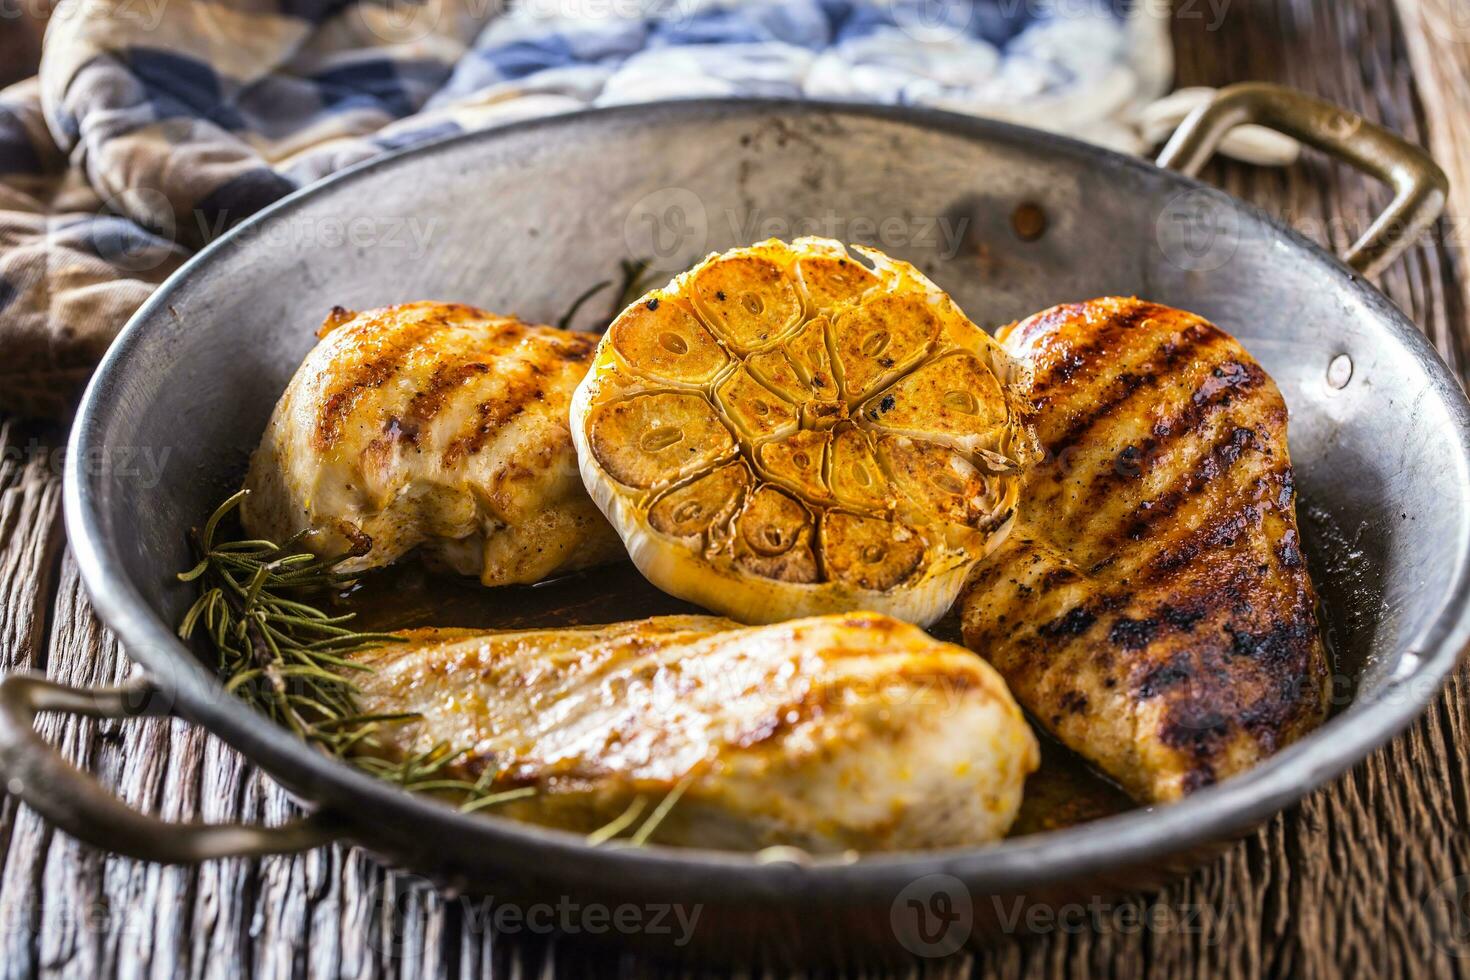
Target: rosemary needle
(644, 832)
(497, 798)
(565, 322)
(618, 824)
(260, 608)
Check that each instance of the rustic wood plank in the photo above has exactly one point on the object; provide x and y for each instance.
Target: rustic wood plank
(1337, 884)
(30, 548)
(1437, 38)
(30, 511)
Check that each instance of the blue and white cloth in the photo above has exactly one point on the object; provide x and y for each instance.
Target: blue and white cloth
(155, 125)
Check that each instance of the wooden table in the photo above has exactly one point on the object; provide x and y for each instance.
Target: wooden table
(1345, 883)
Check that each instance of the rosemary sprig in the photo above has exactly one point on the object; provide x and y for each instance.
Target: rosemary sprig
(644, 832)
(565, 322)
(260, 607)
(634, 281)
(629, 816)
(619, 823)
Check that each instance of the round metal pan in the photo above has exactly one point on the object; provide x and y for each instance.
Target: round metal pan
(1007, 219)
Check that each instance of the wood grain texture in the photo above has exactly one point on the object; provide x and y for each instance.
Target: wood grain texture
(1342, 884)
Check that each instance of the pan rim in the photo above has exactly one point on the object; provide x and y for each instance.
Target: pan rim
(1033, 860)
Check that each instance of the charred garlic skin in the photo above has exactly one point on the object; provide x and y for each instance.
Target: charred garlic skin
(787, 430)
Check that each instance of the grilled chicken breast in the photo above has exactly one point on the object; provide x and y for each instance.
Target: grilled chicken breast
(438, 426)
(1152, 608)
(839, 732)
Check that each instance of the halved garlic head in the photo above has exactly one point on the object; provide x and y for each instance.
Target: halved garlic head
(787, 431)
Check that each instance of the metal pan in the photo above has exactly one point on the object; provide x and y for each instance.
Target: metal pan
(1009, 220)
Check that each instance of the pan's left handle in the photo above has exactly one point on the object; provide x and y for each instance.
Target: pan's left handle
(35, 773)
(1419, 185)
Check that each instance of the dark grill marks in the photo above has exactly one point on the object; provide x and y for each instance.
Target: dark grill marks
(1221, 531)
(1063, 370)
(1226, 451)
(1226, 532)
(426, 403)
(1166, 676)
(517, 394)
(1150, 512)
(1192, 420)
(1073, 702)
(1281, 645)
(1133, 634)
(1180, 619)
(1074, 622)
(1195, 727)
(1231, 374)
(1288, 489)
(1289, 550)
(1200, 776)
(373, 371)
(1172, 350)
(576, 347)
(1045, 321)
(1055, 381)
(1058, 576)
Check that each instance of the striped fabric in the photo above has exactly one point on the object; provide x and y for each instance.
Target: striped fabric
(155, 125)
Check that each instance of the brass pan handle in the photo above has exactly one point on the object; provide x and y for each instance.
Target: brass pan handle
(1419, 185)
(35, 773)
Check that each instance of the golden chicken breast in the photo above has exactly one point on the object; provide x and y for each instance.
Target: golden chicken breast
(436, 426)
(1152, 608)
(839, 732)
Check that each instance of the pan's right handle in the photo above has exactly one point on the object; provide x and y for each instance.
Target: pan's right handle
(35, 773)
(1419, 185)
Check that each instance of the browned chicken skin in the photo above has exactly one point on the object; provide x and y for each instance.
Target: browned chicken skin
(437, 426)
(834, 732)
(1152, 608)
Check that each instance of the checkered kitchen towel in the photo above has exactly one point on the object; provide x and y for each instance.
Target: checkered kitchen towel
(155, 125)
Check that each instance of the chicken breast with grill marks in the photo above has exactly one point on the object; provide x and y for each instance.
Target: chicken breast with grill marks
(839, 732)
(437, 426)
(1152, 608)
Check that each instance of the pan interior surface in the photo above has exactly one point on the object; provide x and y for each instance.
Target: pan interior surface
(1006, 220)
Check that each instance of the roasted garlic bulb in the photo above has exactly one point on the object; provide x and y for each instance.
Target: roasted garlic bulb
(784, 431)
